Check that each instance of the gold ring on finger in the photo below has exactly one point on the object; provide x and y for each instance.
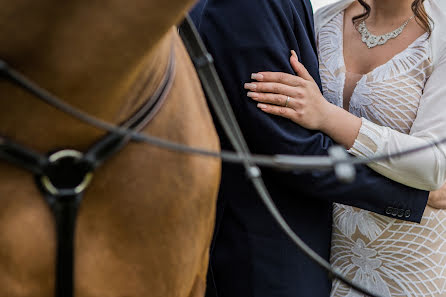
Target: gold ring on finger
(287, 100)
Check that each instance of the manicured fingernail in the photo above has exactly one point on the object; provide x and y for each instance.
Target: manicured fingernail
(257, 76)
(294, 54)
(252, 95)
(250, 86)
(261, 106)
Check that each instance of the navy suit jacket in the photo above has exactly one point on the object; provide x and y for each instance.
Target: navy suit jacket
(250, 256)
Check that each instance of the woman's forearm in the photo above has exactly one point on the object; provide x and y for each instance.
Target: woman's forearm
(342, 126)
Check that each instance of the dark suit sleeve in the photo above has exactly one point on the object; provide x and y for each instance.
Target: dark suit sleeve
(247, 36)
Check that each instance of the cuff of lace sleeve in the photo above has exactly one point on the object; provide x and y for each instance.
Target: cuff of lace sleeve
(369, 139)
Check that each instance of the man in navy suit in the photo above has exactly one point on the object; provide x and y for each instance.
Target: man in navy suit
(250, 255)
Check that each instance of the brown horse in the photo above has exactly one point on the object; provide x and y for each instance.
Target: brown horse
(145, 224)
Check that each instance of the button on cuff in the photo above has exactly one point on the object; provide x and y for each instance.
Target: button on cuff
(407, 214)
(400, 213)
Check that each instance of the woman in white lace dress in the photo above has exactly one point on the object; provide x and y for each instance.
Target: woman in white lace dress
(395, 92)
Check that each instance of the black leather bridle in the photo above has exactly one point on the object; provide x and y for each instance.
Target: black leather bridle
(63, 176)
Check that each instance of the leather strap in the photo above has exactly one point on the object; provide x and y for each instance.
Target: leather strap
(64, 210)
(63, 176)
(21, 156)
(112, 142)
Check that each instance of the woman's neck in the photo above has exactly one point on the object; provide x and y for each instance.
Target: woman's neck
(389, 12)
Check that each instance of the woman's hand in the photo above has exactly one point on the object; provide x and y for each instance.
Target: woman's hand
(437, 199)
(297, 98)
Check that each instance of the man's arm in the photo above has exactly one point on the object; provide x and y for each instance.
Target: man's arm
(248, 36)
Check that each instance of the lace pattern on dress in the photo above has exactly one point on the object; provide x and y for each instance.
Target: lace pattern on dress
(389, 256)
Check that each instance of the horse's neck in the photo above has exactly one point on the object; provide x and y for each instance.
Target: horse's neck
(88, 49)
(92, 58)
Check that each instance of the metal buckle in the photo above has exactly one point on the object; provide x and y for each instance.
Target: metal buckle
(51, 188)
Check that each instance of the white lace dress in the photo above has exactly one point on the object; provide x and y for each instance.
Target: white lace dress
(389, 256)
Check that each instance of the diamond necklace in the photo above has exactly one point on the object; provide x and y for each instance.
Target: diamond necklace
(373, 40)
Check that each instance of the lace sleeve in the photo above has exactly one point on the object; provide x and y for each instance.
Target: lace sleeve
(425, 170)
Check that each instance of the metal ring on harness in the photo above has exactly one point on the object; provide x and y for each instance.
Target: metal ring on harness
(51, 188)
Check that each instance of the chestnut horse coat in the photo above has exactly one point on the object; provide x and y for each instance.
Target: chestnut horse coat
(146, 221)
